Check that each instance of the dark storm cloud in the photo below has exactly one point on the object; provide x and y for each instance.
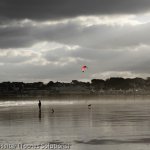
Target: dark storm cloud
(14, 37)
(97, 37)
(54, 9)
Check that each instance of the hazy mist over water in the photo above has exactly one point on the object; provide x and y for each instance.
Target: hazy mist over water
(108, 125)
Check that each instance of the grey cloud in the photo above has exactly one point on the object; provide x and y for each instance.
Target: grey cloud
(15, 37)
(101, 47)
(97, 37)
(99, 62)
(56, 54)
(15, 60)
(28, 72)
(108, 60)
(54, 9)
(16, 56)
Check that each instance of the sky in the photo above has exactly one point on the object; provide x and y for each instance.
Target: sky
(49, 40)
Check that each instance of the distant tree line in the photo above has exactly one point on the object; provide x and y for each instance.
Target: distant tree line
(114, 83)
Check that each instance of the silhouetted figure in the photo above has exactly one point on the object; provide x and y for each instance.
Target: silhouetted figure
(89, 106)
(39, 104)
(52, 111)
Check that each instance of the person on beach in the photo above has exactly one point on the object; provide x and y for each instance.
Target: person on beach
(39, 104)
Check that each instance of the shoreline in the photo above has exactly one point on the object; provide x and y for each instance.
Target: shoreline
(75, 97)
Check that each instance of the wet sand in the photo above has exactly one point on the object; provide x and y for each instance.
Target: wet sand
(108, 125)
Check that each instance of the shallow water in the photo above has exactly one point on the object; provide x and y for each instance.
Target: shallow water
(108, 125)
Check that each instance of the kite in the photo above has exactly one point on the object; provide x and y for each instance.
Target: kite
(84, 68)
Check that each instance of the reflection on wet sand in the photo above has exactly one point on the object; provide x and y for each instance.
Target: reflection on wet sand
(114, 141)
(40, 114)
(117, 124)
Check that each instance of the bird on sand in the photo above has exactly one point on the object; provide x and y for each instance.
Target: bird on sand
(89, 106)
(52, 111)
